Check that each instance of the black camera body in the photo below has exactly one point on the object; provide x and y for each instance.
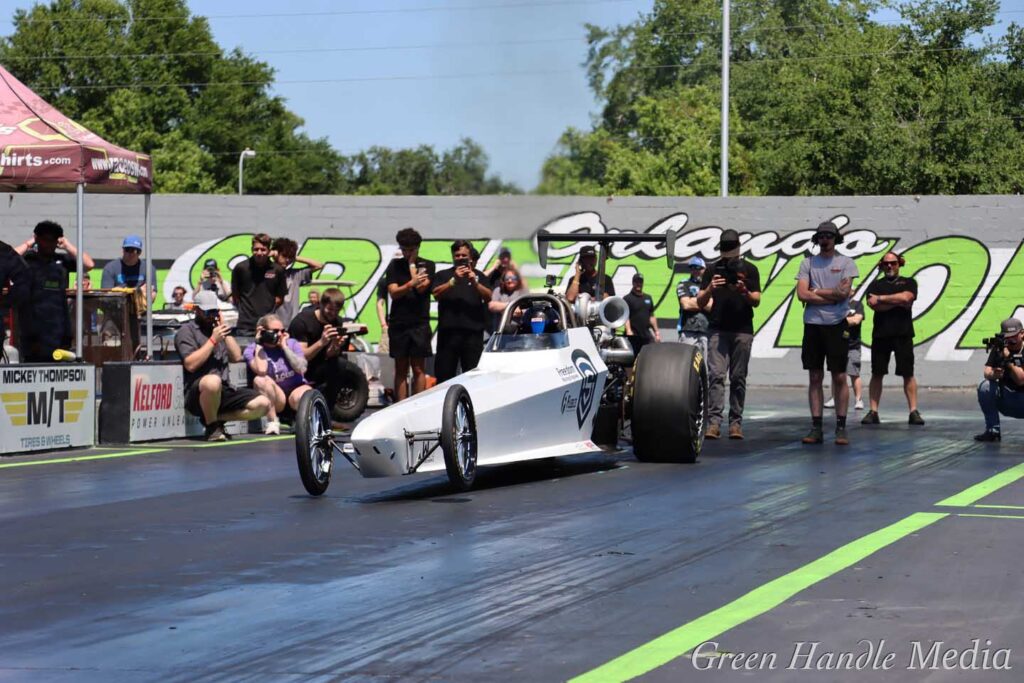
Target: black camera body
(996, 343)
(463, 261)
(730, 269)
(270, 337)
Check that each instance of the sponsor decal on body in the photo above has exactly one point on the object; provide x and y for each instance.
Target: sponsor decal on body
(588, 387)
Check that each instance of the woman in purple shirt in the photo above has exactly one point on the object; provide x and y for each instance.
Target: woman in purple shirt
(278, 364)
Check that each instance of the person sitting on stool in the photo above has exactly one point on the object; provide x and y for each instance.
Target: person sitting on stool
(1002, 390)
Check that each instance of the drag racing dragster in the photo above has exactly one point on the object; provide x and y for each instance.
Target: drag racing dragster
(554, 381)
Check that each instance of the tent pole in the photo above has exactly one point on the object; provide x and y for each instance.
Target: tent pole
(79, 279)
(151, 289)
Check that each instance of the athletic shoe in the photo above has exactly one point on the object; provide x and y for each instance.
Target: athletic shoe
(831, 402)
(713, 432)
(273, 427)
(915, 419)
(870, 418)
(215, 432)
(841, 438)
(735, 431)
(988, 435)
(814, 436)
(859, 405)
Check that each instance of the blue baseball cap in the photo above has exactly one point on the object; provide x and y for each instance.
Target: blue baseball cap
(132, 242)
(696, 262)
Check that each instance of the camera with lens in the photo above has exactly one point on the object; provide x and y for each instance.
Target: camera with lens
(462, 261)
(270, 336)
(730, 269)
(996, 343)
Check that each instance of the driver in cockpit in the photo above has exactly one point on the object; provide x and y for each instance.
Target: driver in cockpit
(540, 318)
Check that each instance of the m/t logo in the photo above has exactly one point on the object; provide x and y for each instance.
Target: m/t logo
(33, 408)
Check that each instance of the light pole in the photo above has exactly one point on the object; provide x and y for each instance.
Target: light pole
(724, 183)
(246, 154)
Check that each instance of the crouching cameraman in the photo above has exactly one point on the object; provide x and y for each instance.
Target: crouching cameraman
(1002, 390)
(277, 363)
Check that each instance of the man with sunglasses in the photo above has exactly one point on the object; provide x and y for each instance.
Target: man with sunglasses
(130, 270)
(891, 297)
(206, 346)
(824, 285)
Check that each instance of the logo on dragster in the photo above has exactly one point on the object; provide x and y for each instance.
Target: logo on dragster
(585, 401)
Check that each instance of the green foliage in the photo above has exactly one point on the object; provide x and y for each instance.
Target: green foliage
(823, 101)
(72, 51)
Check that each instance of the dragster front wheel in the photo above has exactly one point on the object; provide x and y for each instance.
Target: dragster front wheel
(313, 442)
(458, 438)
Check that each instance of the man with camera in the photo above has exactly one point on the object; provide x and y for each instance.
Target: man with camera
(462, 298)
(277, 364)
(323, 342)
(206, 348)
(891, 297)
(1002, 390)
(258, 286)
(732, 288)
(585, 278)
(408, 278)
(824, 284)
(211, 281)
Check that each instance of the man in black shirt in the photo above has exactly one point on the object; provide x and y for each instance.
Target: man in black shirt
(733, 287)
(585, 279)
(408, 279)
(891, 297)
(642, 326)
(258, 286)
(317, 330)
(1002, 390)
(44, 316)
(15, 284)
(462, 299)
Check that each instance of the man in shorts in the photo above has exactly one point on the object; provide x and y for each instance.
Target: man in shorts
(408, 279)
(206, 347)
(824, 284)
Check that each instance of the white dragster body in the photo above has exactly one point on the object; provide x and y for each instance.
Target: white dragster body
(534, 396)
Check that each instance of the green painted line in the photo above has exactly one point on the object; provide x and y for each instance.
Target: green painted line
(978, 514)
(678, 642)
(240, 442)
(84, 458)
(1001, 507)
(988, 487)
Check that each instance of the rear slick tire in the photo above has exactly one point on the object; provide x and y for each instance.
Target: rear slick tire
(669, 405)
(312, 421)
(458, 438)
(354, 394)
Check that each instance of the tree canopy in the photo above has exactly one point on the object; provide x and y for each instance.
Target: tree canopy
(823, 100)
(147, 75)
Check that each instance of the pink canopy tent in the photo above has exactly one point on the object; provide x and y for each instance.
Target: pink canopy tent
(42, 150)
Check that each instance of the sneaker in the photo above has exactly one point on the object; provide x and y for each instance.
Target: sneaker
(273, 427)
(859, 405)
(831, 402)
(713, 432)
(735, 431)
(814, 436)
(988, 435)
(841, 438)
(215, 432)
(870, 418)
(915, 419)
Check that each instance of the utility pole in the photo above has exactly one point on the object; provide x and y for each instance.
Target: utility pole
(246, 154)
(724, 182)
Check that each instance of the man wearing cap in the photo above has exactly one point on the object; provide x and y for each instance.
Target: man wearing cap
(44, 315)
(206, 347)
(130, 270)
(732, 288)
(824, 284)
(212, 281)
(504, 264)
(693, 320)
(891, 297)
(641, 326)
(585, 278)
(1002, 390)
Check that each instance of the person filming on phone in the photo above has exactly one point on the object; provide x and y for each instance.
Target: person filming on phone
(408, 279)
(585, 278)
(211, 281)
(462, 298)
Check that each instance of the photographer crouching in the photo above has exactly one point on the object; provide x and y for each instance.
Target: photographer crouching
(1002, 390)
(277, 364)
(206, 347)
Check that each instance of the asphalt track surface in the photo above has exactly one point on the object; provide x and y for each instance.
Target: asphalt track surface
(192, 563)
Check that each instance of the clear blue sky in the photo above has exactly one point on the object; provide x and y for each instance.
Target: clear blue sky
(517, 118)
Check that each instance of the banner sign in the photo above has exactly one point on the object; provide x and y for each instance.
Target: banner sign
(157, 402)
(46, 406)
